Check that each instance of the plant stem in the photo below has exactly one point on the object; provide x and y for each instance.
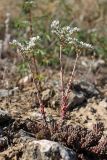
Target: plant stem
(72, 75)
(37, 89)
(61, 72)
(64, 100)
(33, 59)
(30, 21)
(34, 62)
(62, 105)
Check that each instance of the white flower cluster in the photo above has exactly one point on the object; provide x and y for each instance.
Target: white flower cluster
(69, 30)
(67, 34)
(29, 2)
(85, 45)
(32, 41)
(62, 31)
(28, 45)
(78, 43)
(55, 24)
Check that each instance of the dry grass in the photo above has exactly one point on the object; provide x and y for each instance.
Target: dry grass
(11, 6)
(86, 13)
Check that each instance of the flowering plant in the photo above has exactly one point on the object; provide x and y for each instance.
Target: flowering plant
(27, 46)
(66, 36)
(26, 49)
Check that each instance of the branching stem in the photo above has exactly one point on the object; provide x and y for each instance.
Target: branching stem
(61, 72)
(36, 81)
(65, 93)
(72, 75)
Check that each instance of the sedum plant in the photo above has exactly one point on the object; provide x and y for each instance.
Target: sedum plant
(29, 50)
(66, 36)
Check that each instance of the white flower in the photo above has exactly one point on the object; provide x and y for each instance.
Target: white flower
(15, 42)
(26, 22)
(72, 40)
(29, 2)
(85, 45)
(28, 44)
(72, 30)
(34, 39)
(66, 34)
(55, 24)
(32, 42)
(69, 30)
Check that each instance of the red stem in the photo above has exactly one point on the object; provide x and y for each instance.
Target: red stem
(37, 82)
(64, 100)
(72, 76)
(63, 104)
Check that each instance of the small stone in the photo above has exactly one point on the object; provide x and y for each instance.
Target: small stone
(103, 103)
(75, 99)
(25, 80)
(3, 143)
(6, 92)
(47, 94)
(35, 115)
(4, 116)
(23, 136)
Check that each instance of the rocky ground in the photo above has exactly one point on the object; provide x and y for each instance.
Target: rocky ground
(19, 108)
(23, 134)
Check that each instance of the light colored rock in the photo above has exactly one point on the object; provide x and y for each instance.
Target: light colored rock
(6, 93)
(103, 103)
(47, 150)
(47, 94)
(35, 115)
(87, 88)
(75, 99)
(92, 65)
(25, 80)
(23, 136)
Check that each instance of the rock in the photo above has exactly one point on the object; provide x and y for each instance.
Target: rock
(88, 89)
(93, 65)
(75, 99)
(23, 136)
(103, 104)
(3, 143)
(25, 80)
(80, 93)
(47, 150)
(6, 92)
(98, 64)
(1, 130)
(4, 116)
(47, 94)
(35, 115)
